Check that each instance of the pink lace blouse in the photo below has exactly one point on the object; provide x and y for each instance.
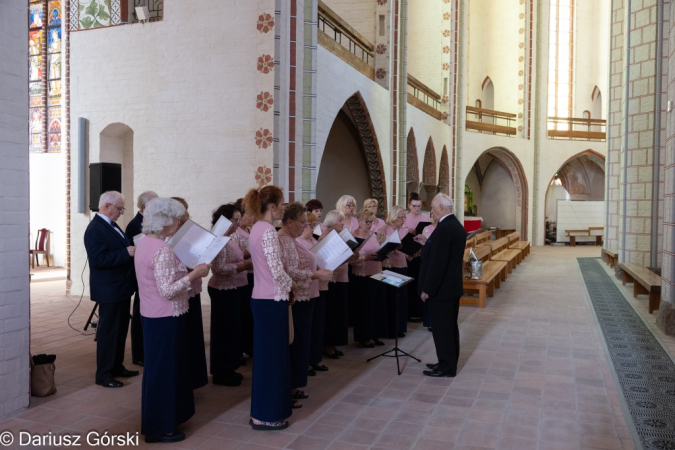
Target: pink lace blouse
(224, 267)
(307, 245)
(396, 259)
(297, 266)
(368, 268)
(271, 282)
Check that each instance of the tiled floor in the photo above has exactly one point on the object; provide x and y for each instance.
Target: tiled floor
(533, 375)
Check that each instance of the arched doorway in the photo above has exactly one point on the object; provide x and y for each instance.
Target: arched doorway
(500, 191)
(351, 162)
(117, 146)
(580, 178)
(429, 188)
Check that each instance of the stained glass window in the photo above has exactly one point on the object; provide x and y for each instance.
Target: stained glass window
(45, 75)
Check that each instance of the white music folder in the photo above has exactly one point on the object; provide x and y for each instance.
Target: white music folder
(195, 245)
(331, 252)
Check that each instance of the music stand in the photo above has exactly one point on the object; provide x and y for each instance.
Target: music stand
(398, 281)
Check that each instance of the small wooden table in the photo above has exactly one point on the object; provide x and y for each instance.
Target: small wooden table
(573, 238)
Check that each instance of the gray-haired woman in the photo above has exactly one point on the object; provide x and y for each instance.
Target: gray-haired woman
(165, 286)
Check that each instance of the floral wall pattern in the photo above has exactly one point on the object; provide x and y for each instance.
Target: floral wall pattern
(264, 70)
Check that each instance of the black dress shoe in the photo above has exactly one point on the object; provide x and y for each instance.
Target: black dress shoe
(319, 367)
(366, 344)
(137, 363)
(339, 353)
(331, 355)
(124, 373)
(168, 438)
(379, 343)
(438, 374)
(227, 379)
(401, 334)
(432, 366)
(110, 383)
(311, 373)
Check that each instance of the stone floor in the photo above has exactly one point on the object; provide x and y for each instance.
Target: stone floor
(533, 375)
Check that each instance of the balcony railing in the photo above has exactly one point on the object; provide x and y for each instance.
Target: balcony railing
(489, 121)
(423, 97)
(335, 28)
(575, 128)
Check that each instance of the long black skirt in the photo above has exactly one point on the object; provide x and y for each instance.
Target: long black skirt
(302, 338)
(225, 350)
(246, 316)
(271, 390)
(337, 326)
(414, 300)
(397, 302)
(370, 321)
(353, 295)
(199, 376)
(318, 328)
(166, 399)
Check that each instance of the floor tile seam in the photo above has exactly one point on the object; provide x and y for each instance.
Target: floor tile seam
(628, 419)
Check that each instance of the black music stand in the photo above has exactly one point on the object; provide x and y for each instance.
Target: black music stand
(383, 278)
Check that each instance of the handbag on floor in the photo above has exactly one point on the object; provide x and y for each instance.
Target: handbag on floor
(42, 370)
(474, 266)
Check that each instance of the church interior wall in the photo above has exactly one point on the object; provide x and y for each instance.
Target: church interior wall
(425, 42)
(493, 52)
(498, 198)
(359, 14)
(14, 210)
(199, 131)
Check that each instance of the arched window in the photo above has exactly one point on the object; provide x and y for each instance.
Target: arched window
(561, 53)
(479, 104)
(488, 94)
(596, 108)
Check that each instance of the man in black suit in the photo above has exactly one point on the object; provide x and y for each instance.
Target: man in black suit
(440, 284)
(134, 228)
(111, 284)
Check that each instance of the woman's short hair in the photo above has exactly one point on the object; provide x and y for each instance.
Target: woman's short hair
(293, 211)
(159, 213)
(313, 205)
(257, 201)
(311, 217)
(342, 203)
(393, 213)
(224, 210)
(239, 203)
(370, 202)
(333, 217)
(365, 214)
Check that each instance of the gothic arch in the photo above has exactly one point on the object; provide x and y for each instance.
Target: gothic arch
(429, 167)
(444, 173)
(412, 174)
(371, 149)
(574, 164)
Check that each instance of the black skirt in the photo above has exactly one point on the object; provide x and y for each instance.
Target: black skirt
(397, 303)
(246, 316)
(199, 376)
(370, 320)
(318, 328)
(225, 348)
(337, 326)
(302, 338)
(166, 399)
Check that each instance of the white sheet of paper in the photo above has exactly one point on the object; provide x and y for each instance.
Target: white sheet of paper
(317, 230)
(331, 252)
(390, 274)
(189, 242)
(210, 253)
(221, 226)
(137, 238)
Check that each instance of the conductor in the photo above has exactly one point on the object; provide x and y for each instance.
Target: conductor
(440, 284)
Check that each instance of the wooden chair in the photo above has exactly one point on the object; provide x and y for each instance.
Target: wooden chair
(41, 247)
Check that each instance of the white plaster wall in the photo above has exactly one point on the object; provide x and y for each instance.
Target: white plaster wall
(591, 56)
(14, 210)
(425, 42)
(359, 14)
(188, 96)
(337, 81)
(554, 194)
(48, 202)
(497, 204)
(493, 51)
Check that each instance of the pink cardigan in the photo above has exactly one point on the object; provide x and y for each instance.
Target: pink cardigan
(271, 282)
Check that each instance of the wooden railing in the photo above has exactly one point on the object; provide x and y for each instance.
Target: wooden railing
(490, 121)
(344, 41)
(423, 97)
(576, 128)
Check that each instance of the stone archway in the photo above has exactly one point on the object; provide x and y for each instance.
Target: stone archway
(116, 145)
(429, 188)
(356, 122)
(412, 177)
(444, 173)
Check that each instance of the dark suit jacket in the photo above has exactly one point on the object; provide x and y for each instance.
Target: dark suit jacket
(134, 227)
(111, 273)
(442, 269)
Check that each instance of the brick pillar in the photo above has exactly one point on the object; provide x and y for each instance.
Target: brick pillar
(666, 316)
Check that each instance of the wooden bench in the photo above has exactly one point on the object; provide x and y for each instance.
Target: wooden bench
(573, 237)
(610, 257)
(470, 242)
(502, 252)
(644, 282)
(485, 236)
(598, 232)
(516, 244)
(494, 272)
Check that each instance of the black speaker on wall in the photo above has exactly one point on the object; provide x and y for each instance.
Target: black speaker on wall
(103, 177)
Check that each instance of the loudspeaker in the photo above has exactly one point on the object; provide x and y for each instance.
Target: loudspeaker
(103, 177)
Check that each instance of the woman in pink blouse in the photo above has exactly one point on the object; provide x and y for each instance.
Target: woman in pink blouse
(347, 206)
(245, 281)
(300, 264)
(225, 350)
(397, 298)
(315, 207)
(378, 224)
(413, 218)
(165, 287)
(370, 320)
(271, 296)
(319, 288)
(337, 325)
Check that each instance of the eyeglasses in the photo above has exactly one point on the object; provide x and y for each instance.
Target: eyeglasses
(415, 206)
(121, 210)
(351, 205)
(235, 220)
(368, 222)
(402, 217)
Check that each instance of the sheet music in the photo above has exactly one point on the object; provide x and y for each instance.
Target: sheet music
(348, 237)
(190, 241)
(392, 278)
(210, 253)
(331, 252)
(221, 226)
(317, 230)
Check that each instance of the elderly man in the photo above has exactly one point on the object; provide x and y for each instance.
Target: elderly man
(111, 283)
(440, 284)
(134, 228)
